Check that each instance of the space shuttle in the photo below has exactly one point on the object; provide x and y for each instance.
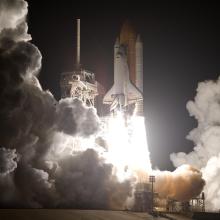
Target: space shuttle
(126, 94)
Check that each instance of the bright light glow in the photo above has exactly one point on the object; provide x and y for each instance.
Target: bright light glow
(127, 146)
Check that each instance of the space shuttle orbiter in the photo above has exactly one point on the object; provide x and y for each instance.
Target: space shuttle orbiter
(128, 73)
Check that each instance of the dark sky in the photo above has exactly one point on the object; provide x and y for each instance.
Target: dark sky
(181, 47)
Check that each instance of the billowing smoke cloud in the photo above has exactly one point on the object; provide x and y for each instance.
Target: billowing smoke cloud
(7, 161)
(206, 154)
(38, 167)
(86, 181)
(12, 20)
(182, 184)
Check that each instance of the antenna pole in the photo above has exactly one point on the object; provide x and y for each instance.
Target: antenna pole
(78, 45)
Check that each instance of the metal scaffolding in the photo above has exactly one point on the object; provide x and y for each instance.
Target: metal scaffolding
(79, 84)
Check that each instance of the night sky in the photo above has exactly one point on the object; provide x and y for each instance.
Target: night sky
(181, 48)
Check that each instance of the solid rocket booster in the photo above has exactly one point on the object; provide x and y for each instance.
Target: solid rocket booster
(139, 73)
(128, 73)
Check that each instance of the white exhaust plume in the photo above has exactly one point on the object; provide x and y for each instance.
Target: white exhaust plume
(39, 138)
(206, 153)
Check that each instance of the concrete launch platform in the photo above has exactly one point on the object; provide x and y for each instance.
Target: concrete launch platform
(69, 214)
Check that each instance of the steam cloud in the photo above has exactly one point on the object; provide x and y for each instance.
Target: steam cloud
(38, 136)
(206, 154)
(182, 184)
(7, 161)
(37, 164)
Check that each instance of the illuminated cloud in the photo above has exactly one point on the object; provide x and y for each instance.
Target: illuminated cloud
(206, 137)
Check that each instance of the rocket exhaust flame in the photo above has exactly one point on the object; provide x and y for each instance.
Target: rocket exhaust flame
(128, 149)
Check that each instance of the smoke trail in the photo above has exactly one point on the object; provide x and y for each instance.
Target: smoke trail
(206, 154)
(38, 167)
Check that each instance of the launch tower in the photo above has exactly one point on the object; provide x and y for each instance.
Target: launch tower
(79, 83)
